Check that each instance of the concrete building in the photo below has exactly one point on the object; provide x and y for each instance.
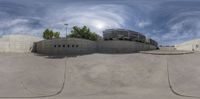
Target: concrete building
(124, 34)
(17, 43)
(193, 45)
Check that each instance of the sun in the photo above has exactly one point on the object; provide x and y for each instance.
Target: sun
(99, 24)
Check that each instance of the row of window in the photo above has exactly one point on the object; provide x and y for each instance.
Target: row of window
(66, 46)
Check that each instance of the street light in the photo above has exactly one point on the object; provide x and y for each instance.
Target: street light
(66, 28)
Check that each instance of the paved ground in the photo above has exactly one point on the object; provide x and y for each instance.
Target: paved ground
(100, 76)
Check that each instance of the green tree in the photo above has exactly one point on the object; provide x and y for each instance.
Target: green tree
(46, 34)
(84, 32)
(56, 34)
(50, 34)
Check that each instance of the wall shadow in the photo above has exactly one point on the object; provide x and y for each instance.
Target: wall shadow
(60, 56)
(117, 53)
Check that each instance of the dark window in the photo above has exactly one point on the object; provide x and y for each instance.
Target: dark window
(68, 46)
(54, 45)
(59, 45)
(72, 45)
(63, 45)
(76, 45)
(197, 46)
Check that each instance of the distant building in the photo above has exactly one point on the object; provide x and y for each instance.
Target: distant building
(193, 45)
(124, 34)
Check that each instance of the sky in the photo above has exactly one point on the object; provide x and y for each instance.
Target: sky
(167, 21)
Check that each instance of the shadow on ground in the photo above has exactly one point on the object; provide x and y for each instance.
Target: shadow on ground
(58, 56)
(153, 52)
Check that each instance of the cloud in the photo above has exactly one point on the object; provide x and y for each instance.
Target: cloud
(142, 24)
(19, 18)
(176, 21)
(168, 22)
(106, 15)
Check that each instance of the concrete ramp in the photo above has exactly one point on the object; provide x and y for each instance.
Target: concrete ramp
(27, 75)
(184, 72)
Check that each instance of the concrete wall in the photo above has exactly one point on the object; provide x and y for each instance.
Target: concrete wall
(123, 46)
(66, 46)
(17, 43)
(24, 44)
(82, 46)
(193, 45)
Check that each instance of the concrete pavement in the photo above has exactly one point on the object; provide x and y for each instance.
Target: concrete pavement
(100, 76)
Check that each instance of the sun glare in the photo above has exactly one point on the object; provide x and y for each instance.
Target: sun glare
(99, 24)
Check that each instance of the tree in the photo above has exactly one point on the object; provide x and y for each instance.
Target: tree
(56, 35)
(49, 34)
(84, 32)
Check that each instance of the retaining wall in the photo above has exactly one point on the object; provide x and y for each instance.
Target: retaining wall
(82, 46)
(17, 43)
(66, 46)
(123, 46)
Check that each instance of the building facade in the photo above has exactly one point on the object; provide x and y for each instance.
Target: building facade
(124, 34)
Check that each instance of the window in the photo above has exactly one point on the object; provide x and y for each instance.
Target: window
(197, 46)
(63, 45)
(72, 45)
(54, 45)
(76, 45)
(59, 45)
(68, 46)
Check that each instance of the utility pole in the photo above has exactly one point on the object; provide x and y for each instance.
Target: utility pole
(66, 29)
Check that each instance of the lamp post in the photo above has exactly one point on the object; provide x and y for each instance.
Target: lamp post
(66, 29)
